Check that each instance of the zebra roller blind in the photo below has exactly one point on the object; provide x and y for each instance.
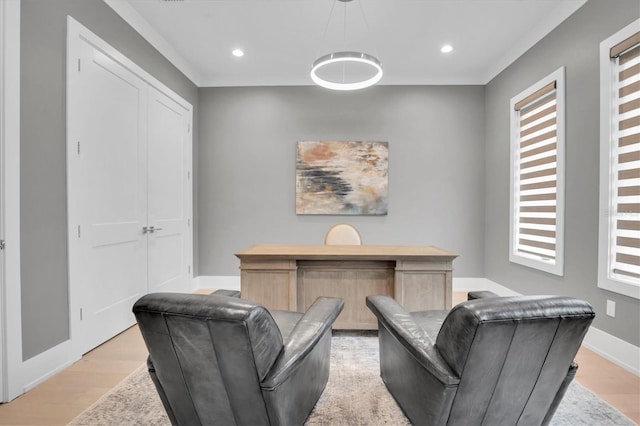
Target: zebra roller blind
(536, 181)
(625, 155)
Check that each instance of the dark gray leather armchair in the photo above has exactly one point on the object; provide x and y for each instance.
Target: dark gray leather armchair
(223, 360)
(490, 361)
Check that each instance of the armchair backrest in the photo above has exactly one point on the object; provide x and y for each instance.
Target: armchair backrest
(203, 346)
(511, 354)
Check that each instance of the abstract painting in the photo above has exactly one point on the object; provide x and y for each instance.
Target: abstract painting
(342, 178)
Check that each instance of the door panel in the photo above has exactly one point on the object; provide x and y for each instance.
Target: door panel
(168, 194)
(113, 182)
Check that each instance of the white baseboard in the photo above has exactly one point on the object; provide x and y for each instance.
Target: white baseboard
(476, 284)
(217, 282)
(614, 349)
(45, 365)
(604, 344)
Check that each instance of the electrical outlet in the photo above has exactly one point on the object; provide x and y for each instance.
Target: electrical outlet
(611, 308)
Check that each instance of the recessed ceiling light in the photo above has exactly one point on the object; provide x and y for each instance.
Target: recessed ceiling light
(446, 48)
(237, 53)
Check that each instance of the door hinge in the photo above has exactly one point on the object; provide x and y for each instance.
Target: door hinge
(1, 244)
(189, 128)
(78, 231)
(188, 223)
(189, 269)
(78, 64)
(80, 314)
(189, 175)
(78, 147)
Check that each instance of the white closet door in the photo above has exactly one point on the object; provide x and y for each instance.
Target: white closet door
(113, 168)
(169, 194)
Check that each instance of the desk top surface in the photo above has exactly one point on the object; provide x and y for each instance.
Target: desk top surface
(337, 252)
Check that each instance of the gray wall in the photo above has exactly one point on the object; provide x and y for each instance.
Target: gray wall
(44, 263)
(575, 45)
(246, 163)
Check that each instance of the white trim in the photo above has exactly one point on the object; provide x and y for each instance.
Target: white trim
(614, 349)
(478, 284)
(557, 267)
(47, 364)
(11, 321)
(139, 24)
(607, 80)
(2, 214)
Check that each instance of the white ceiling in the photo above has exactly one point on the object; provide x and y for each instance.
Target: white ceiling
(282, 38)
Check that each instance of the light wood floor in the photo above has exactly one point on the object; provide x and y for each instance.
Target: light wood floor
(61, 398)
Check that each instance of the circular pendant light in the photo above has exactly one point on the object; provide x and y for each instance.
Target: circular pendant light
(346, 69)
(346, 58)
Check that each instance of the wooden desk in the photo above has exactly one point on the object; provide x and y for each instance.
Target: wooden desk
(290, 277)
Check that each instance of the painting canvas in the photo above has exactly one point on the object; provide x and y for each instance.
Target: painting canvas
(342, 178)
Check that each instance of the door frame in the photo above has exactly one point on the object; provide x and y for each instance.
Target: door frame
(11, 363)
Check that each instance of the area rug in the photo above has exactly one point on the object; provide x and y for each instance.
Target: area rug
(355, 395)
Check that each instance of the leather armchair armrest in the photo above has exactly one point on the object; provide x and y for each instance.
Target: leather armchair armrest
(481, 294)
(228, 293)
(414, 338)
(312, 326)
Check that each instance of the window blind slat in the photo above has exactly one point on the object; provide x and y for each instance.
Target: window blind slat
(629, 174)
(539, 197)
(540, 232)
(538, 209)
(539, 162)
(627, 259)
(539, 220)
(542, 137)
(628, 242)
(629, 72)
(628, 191)
(629, 89)
(538, 185)
(530, 119)
(629, 106)
(628, 157)
(539, 173)
(629, 208)
(533, 129)
(631, 225)
(539, 150)
(629, 140)
(538, 244)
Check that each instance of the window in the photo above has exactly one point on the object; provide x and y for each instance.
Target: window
(619, 233)
(537, 175)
